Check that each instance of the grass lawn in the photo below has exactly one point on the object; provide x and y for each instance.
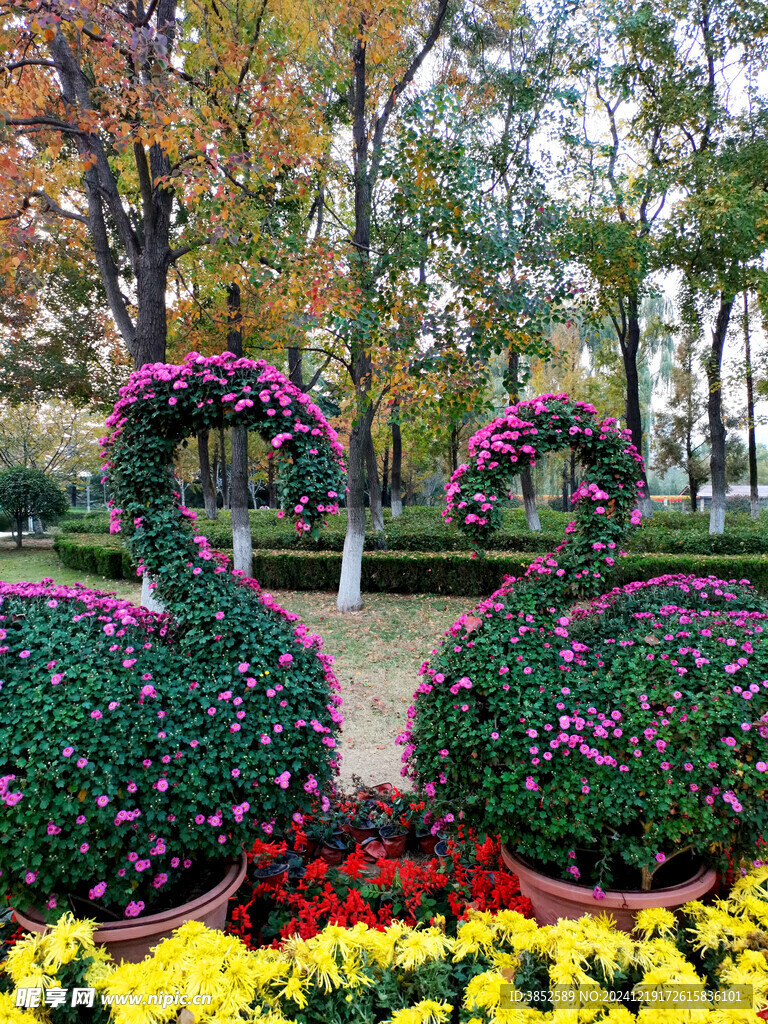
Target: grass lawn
(378, 651)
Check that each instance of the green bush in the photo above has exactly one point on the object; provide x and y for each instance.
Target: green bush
(403, 572)
(85, 522)
(423, 529)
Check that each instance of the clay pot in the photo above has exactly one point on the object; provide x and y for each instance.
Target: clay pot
(394, 840)
(131, 940)
(273, 875)
(553, 898)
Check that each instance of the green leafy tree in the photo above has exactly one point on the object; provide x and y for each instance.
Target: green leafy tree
(29, 493)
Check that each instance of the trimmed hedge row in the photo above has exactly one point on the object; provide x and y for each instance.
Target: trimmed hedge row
(402, 572)
(423, 529)
(102, 559)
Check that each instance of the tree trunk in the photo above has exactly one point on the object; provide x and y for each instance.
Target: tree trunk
(349, 597)
(295, 368)
(715, 412)
(526, 481)
(374, 492)
(19, 528)
(242, 543)
(151, 319)
(385, 478)
(754, 498)
(206, 481)
(271, 482)
(565, 485)
(223, 464)
(693, 488)
(629, 350)
(396, 499)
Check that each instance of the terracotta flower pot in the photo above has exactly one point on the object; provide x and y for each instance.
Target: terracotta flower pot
(553, 898)
(132, 939)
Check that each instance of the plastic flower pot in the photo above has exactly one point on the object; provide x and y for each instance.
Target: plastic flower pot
(272, 876)
(553, 898)
(361, 833)
(383, 787)
(131, 940)
(441, 852)
(393, 839)
(373, 849)
(334, 850)
(427, 842)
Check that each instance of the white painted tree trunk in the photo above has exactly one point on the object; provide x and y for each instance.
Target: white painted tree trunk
(148, 599)
(529, 501)
(717, 516)
(238, 492)
(349, 598)
(397, 507)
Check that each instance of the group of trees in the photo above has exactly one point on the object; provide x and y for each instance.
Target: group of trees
(408, 202)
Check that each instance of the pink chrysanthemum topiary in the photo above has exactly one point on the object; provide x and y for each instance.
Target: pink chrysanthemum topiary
(636, 727)
(604, 505)
(134, 742)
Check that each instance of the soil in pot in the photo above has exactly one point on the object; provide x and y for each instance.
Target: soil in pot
(362, 832)
(441, 852)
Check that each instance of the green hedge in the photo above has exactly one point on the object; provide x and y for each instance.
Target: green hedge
(402, 572)
(102, 559)
(423, 529)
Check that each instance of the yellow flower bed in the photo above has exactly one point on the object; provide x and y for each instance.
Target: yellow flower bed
(420, 976)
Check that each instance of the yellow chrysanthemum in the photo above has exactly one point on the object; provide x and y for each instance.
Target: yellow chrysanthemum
(11, 1014)
(420, 946)
(655, 921)
(426, 1012)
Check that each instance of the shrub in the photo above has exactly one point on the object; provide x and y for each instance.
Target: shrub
(455, 574)
(603, 504)
(636, 733)
(139, 747)
(28, 493)
(624, 728)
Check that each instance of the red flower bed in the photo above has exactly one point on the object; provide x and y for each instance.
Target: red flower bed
(415, 889)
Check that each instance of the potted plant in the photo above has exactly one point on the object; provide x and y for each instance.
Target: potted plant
(141, 751)
(428, 833)
(361, 823)
(621, 749)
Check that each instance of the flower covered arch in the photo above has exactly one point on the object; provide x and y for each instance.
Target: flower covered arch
(169, 737)
(604, 505)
